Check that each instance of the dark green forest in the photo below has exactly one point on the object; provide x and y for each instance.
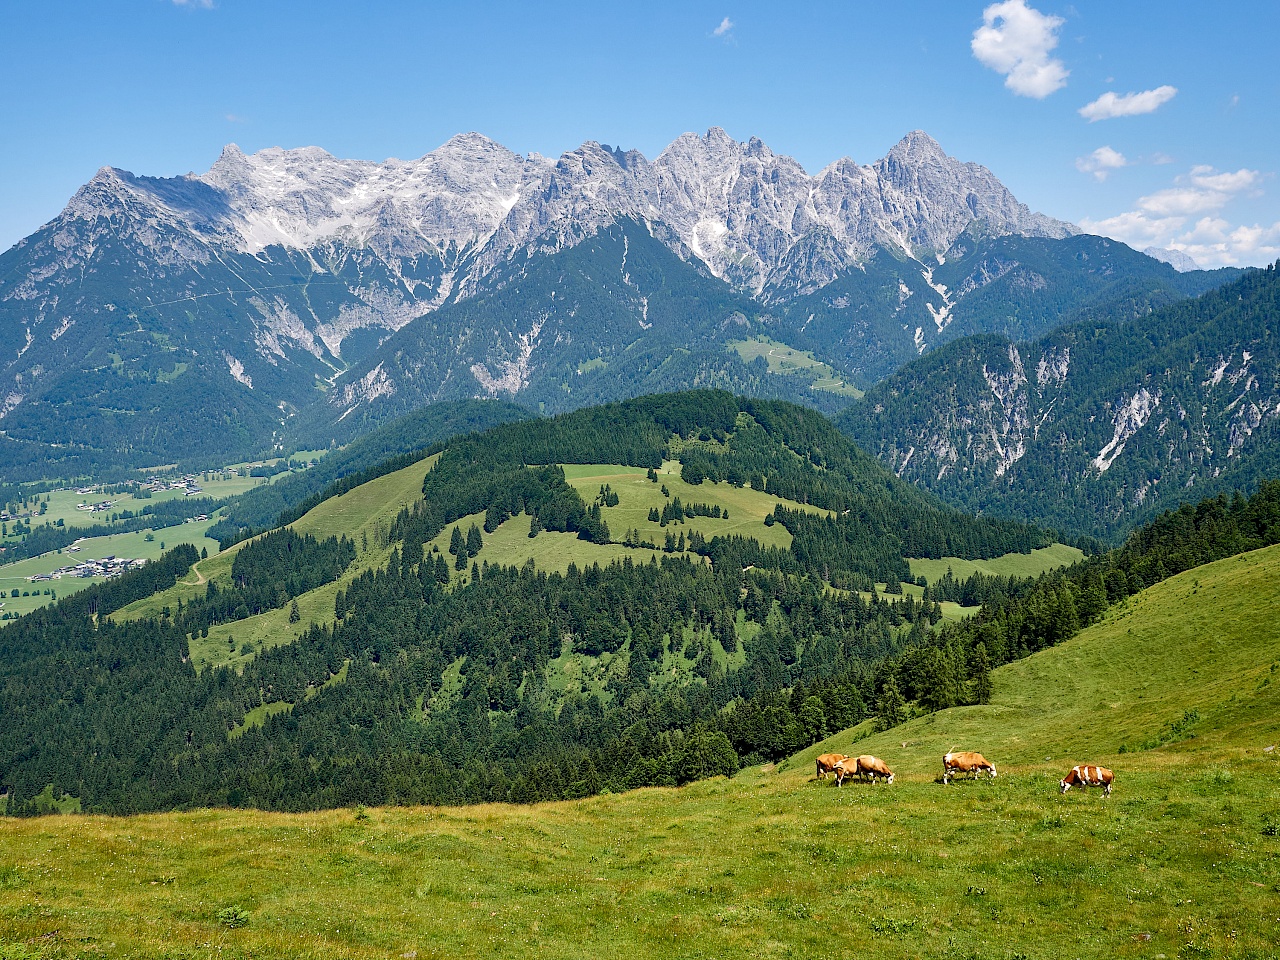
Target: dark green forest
(425, 692)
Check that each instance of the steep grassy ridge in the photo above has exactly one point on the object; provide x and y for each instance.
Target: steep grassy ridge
(1183, 861)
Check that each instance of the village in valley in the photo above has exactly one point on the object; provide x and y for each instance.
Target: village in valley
(112, 526)
(107, 567)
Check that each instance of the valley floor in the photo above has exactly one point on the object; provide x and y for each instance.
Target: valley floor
(1183, 860)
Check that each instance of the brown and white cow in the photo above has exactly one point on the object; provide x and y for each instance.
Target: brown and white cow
(966, 761)
(1086, 775)
(827, 763)
(874, 767)
(845, 769)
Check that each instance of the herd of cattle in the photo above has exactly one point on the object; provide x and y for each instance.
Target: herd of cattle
(867, 767)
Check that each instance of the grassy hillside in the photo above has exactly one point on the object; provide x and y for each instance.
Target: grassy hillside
(1183, 861)
(1032, 564)
(363, 514)
(785, 360)
(1204, 641)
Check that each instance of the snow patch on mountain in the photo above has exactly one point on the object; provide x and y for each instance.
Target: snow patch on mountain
(941, 315)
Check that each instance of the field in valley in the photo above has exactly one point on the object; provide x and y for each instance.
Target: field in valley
(133, 545)
(1183, 860)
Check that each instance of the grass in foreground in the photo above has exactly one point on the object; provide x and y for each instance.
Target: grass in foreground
(1183, 861)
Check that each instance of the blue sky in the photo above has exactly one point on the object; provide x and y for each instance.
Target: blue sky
(158, 86)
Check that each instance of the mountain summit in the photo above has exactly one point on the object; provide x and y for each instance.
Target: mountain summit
(283, 280)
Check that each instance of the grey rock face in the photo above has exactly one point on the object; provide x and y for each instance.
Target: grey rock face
(272, 275)
(1175, 258)
(753, 217)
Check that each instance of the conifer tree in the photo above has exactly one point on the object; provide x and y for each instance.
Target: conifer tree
(891, 708)
(981, 674)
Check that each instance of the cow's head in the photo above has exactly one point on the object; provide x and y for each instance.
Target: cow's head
(1064, 785)
(890, 780)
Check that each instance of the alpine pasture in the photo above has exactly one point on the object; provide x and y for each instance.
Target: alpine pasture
(1181, 699)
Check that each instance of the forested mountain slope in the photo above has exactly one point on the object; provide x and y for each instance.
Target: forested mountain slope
(1018, 287)
(1097, 425)
(1173, 688)
(614, 316)
(423, 684)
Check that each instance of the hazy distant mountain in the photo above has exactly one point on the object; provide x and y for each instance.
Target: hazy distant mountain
(1175, 258)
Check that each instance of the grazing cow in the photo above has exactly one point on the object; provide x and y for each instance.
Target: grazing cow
(846, 768)
(873, 767)
(1085, 775)
(827, 763)
(966, 761)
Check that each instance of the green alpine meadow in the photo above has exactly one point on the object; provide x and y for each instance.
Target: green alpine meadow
(598, 481)
(1183, 859)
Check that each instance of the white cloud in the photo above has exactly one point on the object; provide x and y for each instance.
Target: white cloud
(1210, 241)
(1186, 217)
(1182, 201)
(725, 26)
(1210, 179)
(1201, 191)
(202, 4)
(1015, 40)
(235, 118)
(1101, 162)
(1111, 105)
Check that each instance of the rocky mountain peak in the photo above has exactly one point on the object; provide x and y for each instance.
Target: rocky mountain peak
(752, 216)
(915, 147)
